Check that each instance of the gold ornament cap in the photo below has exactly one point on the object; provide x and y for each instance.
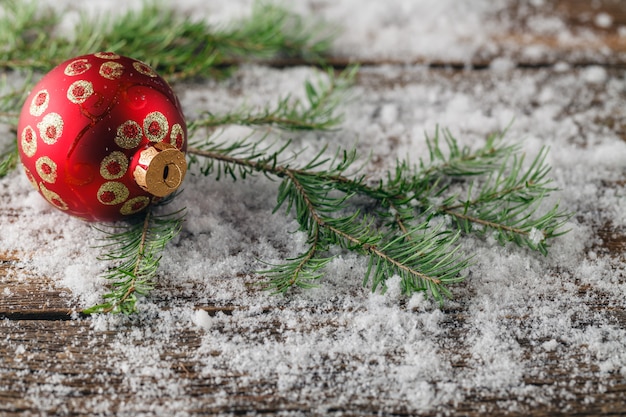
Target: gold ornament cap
(161, 169)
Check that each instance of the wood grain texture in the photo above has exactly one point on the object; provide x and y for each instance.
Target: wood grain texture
(53, 361)
(73, 370)
(532, 41)
(68, 367)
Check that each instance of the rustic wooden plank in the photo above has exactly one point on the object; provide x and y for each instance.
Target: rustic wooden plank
(68, 368)
(24, 294)
(597, 32)
(583, 14)
(56, 363)
(595, 36)
(51, 363)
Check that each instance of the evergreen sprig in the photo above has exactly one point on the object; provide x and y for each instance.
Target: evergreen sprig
(175, 45)
(136, 247)
(508, 202)
(500, 193)
(403, 235)
(317, 112)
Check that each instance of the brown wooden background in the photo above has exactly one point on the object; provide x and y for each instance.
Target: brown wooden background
(37, 313)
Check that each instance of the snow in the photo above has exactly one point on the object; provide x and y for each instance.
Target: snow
(595, 75)
(403, 353)
(202, 319)
(603, 20)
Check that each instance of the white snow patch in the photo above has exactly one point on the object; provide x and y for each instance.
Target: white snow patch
(595, 74)
(502, 65)
(603, 20)
(202, 319)
(536, 236)
(550, 345)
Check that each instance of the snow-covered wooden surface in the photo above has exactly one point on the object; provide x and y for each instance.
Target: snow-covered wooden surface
(525, 335)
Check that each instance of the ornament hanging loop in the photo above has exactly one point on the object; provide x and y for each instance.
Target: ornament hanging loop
(161, 169)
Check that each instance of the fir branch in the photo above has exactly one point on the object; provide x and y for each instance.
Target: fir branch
(302, 271)
(24, 35)
(309, 194)
(243, 158)
(136, 246)
(12, 98)
(423, 261)
(319, 112)
(507, 199)
(450, 160)
(175, 45)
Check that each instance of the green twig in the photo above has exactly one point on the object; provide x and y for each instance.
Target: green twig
(175, 45)
(422, 253)
(136, 246)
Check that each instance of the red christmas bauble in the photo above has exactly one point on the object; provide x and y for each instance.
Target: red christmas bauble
(102, 136)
